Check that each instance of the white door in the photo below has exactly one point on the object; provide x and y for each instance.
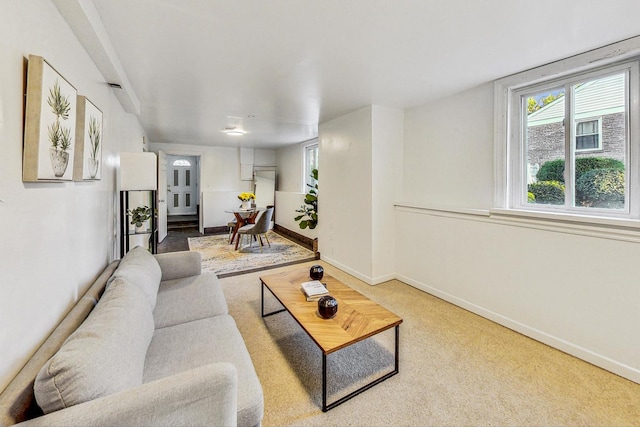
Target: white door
(162, 196)
(182, 185)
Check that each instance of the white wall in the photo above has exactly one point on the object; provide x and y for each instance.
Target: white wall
(290, 168)
(448, 157)
(361, 176)
(386, 175)
(286, 205)
(290, 194)
(220, 181)
(55, 238)
(264, 158)
(214, 206)
(576, 292)
(345, 202)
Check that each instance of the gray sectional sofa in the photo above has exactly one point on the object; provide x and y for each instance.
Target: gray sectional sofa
(150, 343)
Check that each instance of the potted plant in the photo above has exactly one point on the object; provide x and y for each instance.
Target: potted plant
(246, 199)
(138, 217)
(309, 211)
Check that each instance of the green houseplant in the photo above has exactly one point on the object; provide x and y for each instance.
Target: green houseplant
(309, 211)
(139, 215)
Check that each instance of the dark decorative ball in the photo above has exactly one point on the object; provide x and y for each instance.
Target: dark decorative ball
(327, 307)
(316, 272)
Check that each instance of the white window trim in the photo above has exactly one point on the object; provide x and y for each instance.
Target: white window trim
(517, 198)
(305, 172)
(503, 90)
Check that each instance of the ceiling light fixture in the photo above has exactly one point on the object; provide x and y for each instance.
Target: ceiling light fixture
(232, 130)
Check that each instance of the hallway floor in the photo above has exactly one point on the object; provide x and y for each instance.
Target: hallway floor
(176, 241)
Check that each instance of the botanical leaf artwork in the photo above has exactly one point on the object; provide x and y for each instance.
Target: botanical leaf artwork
(60, 106)
(50, 126)
(94, 146)
(94, 136)
(59, 136)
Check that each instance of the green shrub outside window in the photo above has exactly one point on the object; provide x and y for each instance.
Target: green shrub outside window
(600, 183)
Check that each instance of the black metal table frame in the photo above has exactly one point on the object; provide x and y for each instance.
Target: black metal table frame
(325, 406)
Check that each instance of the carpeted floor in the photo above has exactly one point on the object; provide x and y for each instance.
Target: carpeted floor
(220, 257)
(456, 369)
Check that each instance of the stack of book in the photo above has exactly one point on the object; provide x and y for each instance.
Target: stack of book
(313, 290)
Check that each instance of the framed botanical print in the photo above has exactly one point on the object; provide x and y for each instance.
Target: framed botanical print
(50, 124)
(88, 154)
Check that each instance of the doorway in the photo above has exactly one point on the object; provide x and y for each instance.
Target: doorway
(182, 185)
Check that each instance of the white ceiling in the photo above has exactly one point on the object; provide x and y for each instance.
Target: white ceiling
(283, 66)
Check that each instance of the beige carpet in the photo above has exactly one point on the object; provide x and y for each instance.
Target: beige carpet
(456, 369)
(221, 257)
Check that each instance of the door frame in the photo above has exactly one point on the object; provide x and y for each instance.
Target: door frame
(198, 177)
(193, 188)
(161, 202)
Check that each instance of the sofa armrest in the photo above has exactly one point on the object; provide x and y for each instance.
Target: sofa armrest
(202, 396)
(176, 265)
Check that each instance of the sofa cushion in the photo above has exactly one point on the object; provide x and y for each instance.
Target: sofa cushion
(205, 341)
(176, 265)
(187, 299)
(104, 355)
(140, 267)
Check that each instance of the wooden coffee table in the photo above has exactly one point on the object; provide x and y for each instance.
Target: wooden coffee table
(357, 318)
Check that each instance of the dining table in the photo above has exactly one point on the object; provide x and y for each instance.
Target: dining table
(243, 217)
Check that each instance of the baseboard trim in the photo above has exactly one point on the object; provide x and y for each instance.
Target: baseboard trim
(216, 230)
(543, 337)
(305, 241)
(367, 279)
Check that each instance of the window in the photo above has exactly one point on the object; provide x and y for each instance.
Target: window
(310, 163)
(588, 135)
(182, 163)
(568, 145)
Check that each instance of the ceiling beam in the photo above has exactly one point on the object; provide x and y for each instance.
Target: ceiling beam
(84, 20)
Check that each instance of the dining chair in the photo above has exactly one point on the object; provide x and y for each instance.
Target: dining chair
(259, 228)
(231, 225)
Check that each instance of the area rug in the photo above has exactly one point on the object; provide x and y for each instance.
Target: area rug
(220, 257)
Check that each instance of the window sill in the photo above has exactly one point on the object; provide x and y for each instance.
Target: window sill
(442, 209)
(600, 227)
(611, 228)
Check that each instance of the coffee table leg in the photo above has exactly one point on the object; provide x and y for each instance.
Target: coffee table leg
(262, 286)
(340, 401)
(324, 383)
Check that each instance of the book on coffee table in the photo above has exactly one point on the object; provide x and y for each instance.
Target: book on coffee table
(313, 290)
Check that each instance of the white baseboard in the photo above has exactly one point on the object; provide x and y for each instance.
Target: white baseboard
(367, 279)
(555, 342)
(346, 269)
(582, 353)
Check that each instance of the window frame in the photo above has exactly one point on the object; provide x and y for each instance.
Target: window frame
(306, 170)
(510, 171)
(518, 197)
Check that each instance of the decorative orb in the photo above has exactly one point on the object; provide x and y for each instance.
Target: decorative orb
(316, 272)
(327, 307)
